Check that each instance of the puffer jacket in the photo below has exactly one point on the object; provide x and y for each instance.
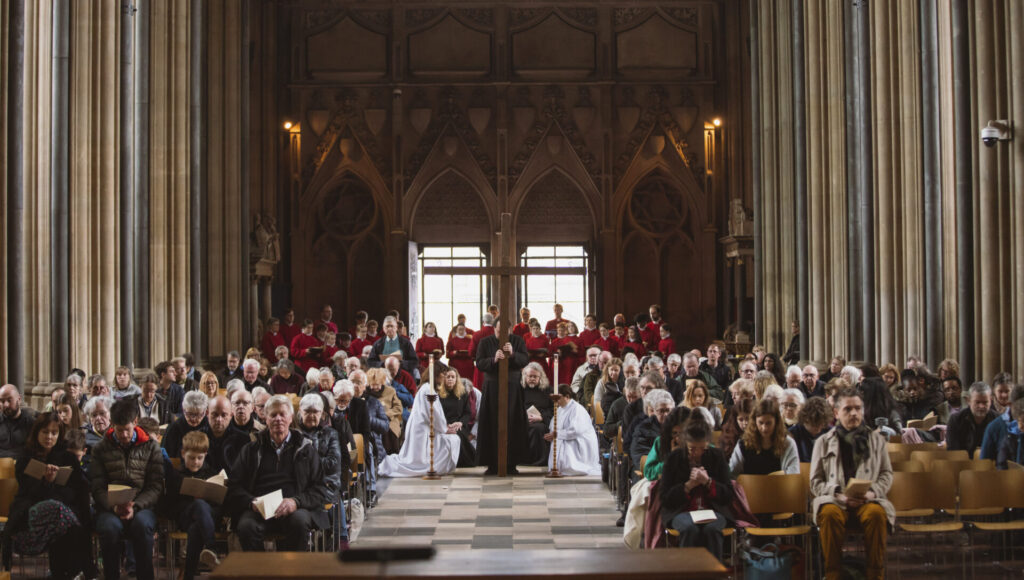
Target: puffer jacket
(332, 459)
(141, 466)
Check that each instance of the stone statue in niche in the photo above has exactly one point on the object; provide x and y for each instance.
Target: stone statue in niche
(741, 223)
(266, 240)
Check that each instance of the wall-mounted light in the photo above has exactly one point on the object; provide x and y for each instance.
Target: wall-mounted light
(287, 125)
(717, 121)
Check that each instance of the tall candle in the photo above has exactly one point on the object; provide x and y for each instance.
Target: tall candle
(432, 374)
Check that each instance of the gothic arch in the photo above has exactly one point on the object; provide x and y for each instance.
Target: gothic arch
(451, 199)
(554, 208)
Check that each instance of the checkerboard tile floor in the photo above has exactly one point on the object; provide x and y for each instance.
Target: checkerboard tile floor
(468, 510)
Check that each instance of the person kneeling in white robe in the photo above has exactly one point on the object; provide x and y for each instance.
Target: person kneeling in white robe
(413, 459)
(578, 453)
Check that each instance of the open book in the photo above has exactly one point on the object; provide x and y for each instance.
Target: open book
(925, 424)
(120, 494)
(703, 516)
(533, 413)
(857, 487)
(268, 504)
(212, 489)
(37, 469)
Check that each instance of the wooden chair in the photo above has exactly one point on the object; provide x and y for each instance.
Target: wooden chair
(910, 465)
(716, 437)
(598, 412)
(779, 494)
(927, 456)
(992, 490)
(359, 483)
(920, 495)
(6, 468)
(949, 470)
(805, 470)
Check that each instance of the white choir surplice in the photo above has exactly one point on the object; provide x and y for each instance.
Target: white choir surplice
(578, 453)
(413, 459)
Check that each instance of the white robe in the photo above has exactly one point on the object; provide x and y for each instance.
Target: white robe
(413, 459)
(578, 453)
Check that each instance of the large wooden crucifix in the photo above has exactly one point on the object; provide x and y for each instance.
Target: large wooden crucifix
(506, 273)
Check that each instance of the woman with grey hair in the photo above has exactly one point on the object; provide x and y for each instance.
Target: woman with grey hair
(193, 418)
(315, 424)
(97, 414)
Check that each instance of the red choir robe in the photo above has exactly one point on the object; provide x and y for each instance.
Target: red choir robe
(289, 332)
(581, 353)
(651, 334)
(589, 337)
(609, 344)
(565, 361)
(270, 342)
(552, 324)
(357, 345)
(478, 377)
(667, 346)
(469, 334)
(326, 357)
(621, 339)
(460, 357)
(522, 329)
(638, 348)
(330, 326)
(425, 346)
(538, 343)
(300, 351)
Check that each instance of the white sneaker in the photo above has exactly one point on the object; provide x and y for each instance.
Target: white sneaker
(209, 558)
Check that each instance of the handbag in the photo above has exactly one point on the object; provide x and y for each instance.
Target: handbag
(769, 562)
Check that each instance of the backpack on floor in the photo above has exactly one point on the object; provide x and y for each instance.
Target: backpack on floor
(770, 562)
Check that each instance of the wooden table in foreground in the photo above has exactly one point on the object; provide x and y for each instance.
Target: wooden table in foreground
(592, 564)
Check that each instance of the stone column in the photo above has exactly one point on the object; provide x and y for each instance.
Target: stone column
(964, 131)
(15, 202)
(254, 309)
(141, 186)
(4, 45)
(931, 133)
(1016, 56)
(265, 301)
(197, 180)
(755, 165)
(59, 226)
(126, 184)
(800, 175)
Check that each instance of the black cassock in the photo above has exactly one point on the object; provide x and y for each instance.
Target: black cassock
(487, 419)
(538, 447)
(456, 410)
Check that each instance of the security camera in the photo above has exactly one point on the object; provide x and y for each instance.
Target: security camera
(995, 132)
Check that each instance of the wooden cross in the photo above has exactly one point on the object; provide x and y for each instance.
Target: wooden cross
(505, 273)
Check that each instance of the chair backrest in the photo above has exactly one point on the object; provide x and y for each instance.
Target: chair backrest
(927, 456)
(618, 441)
(360, 450)
(908, 490)
(908, 465)
(900, 455)
(8, 489)
(776, 493)
(643, 462)
(991, 489)
(716, 437)
(6, 468)
(805, 470)
(598, 412)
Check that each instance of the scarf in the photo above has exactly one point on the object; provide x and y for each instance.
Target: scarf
(856, 440)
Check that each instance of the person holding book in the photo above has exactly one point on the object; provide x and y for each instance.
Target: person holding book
(50, 513)
(278, 486)
(850, 477)
(194, 509)
(695, 489)
(129, 459)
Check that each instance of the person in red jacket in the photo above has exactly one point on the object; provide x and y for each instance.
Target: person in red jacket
(459, 355)
(289, 329)
(523, 328)
(306, 348)
(359, 342)
(566, 347)
(537, 346)
(551, 329)
(486, 330)
(667, 344)
(429, 343)
(272, 339)
(605, 340)
(590, 332)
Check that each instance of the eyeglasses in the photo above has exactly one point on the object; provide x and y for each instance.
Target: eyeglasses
(194, 416)
(790, 405)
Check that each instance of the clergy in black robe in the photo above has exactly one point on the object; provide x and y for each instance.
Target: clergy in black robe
(537, 394)
(487, 419)
(456, 407)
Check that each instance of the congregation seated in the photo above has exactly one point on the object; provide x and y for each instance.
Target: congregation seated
(242, 418)
(97, 413)
(15, 422)
(613, 416)
(251, 375)
(126, 456)
(260, 396)
(151, 402)
(223, 442)
(667, 441)
(392, 343)
(577, 449)
(317, 381)
(609, 386)
(377, 388)
(851, 450)
(285, 380)
(792, 401)
(1011, 449)
(458, 412)
(658, 404)
(635, 411)
(123, 386)
(73, 386)
(193, 419)
(697, 395)
(735, 423)
(171, 392)
(208, 385)
(314, 423)
(880, 408)
(967, 427)
(46, 517)
(350, 415)
(696, 477)
(232, 370)
(765, 446)
(278, 459)
(813, 421)
(997, 431)
(398, 377)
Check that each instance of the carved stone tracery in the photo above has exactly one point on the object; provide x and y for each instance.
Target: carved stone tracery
(657, 114)
(554, 112)
(348, 114)
(451, 117)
